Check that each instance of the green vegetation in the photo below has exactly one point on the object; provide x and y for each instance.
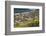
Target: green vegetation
(29, 23)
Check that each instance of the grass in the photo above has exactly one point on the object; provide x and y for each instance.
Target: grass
(29, 23)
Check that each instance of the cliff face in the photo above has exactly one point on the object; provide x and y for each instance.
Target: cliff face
(26, 15)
